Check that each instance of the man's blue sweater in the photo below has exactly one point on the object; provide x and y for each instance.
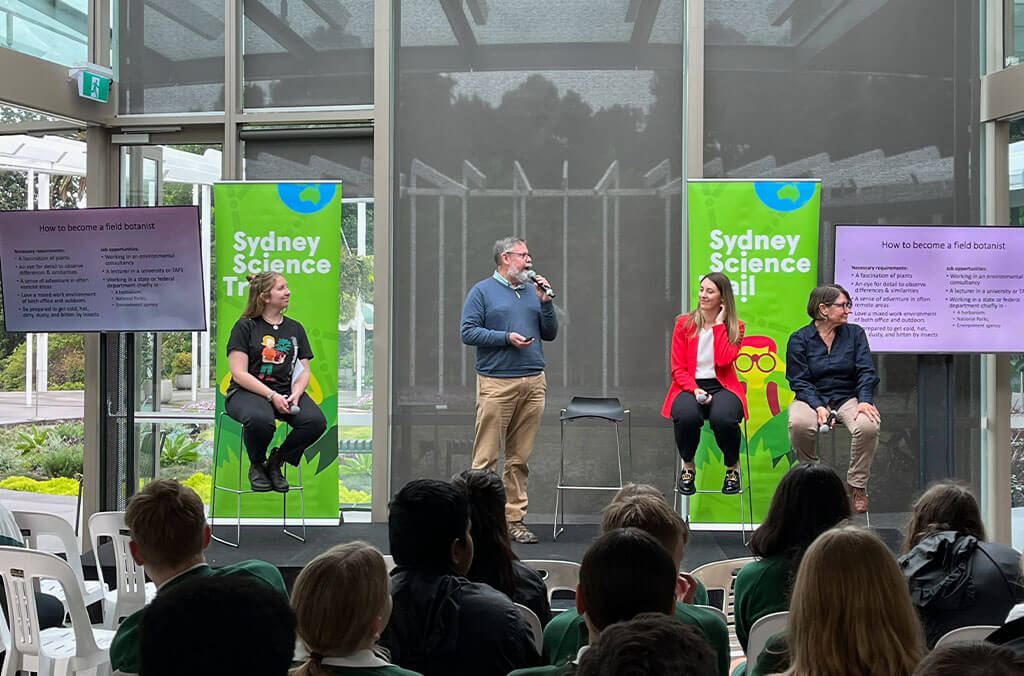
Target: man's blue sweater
(493, 311)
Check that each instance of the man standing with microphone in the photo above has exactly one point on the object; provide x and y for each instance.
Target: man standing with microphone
(503, 317)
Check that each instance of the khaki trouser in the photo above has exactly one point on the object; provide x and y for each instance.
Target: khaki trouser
(803, 431)
(508, 411)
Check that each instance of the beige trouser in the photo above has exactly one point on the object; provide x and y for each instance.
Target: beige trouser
(508, 411)
(803, 431)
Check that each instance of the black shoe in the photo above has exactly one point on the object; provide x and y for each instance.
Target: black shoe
(258, 480)
(686, 484)
(731, 485)
(274, 475)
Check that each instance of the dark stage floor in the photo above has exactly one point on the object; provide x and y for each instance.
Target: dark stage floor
(289, 555)
(270, 544)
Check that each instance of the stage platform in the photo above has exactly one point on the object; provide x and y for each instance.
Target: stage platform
(270, 544)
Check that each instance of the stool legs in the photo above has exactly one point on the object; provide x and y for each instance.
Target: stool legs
(746, 523)
(302, 505)
(240, 490)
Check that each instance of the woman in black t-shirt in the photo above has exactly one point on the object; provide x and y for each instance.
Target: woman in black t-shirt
(268, 355)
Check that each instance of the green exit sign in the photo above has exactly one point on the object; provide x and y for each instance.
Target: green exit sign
(93, 81)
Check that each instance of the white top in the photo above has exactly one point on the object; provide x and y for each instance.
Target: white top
(1016, 612)
(705, 354)
(363, 658)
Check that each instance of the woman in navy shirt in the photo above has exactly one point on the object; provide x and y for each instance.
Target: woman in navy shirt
(829, 369)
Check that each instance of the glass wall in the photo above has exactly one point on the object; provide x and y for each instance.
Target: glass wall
(169, 56)
(350, 160)
(880, 104)
(55, 31)
(41, 375)
(308, 53)
(561, 123)
(1013, 23)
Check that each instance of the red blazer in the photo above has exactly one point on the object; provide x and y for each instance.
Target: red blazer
(684, 362)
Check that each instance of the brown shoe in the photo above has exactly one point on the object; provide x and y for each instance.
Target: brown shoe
(518, 531)
(858, 500)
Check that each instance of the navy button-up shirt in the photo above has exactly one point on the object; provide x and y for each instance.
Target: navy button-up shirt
(819, 376)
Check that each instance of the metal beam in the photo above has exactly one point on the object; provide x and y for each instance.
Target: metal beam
(461, 29)
(278, 31)
(644, 23)
(24, 76)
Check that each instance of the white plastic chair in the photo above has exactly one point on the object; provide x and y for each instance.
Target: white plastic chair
(763, 629)
(557, 575)
(79, 648)
(34, 524)
(132, 592)
(534, 623)
(974, 632)
(721, 575)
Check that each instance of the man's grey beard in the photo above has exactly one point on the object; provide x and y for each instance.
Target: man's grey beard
(519, 277)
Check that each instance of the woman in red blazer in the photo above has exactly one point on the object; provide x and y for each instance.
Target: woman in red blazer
(704, 383)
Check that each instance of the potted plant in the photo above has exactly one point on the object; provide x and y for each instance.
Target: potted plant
(181, 370)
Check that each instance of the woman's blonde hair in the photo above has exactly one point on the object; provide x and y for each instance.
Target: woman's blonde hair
(259, 286)
(336, 598)
(850, 612)
(732, 322)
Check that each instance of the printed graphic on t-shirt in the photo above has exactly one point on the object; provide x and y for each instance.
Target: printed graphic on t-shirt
(274, 353)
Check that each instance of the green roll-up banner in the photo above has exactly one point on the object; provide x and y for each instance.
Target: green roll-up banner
(764, 236)
(294, 229)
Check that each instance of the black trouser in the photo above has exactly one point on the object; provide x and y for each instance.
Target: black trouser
(724, 413)
(257, 416)
(48, 608)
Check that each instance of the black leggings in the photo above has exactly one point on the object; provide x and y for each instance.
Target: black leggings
(724, 413)
(257, 416)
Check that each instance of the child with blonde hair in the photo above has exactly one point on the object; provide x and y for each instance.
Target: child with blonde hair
(342, 602)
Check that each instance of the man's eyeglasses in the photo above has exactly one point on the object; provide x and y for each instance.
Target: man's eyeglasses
(846, 306)
(520, 254)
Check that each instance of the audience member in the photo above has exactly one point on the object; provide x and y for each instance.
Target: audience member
(494, 562)
(441, 623)
(956, 579)
(213, 626)
(974, 658)
(625, 572)
(342, 604)
(169, 533)
(648, 645)
(850, 613)
(566, 632)
(49, 609)
(809, 500)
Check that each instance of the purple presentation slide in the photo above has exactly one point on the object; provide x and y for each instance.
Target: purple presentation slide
(932, 288)
(117, 269)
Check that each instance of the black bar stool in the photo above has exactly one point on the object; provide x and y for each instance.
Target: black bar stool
(239, 490)
(746, 515)
(608, 409)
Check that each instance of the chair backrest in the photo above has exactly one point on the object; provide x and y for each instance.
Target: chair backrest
(721, 575)
(974, 632)
(20, 568)
(34, 524)
(131, 577)
(764, 628)
(608, 408)
(557, 575)
(534, 623)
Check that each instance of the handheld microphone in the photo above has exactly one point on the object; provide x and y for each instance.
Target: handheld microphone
(827, 425)
(532, 276)
(295, 409)
(702, 397)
